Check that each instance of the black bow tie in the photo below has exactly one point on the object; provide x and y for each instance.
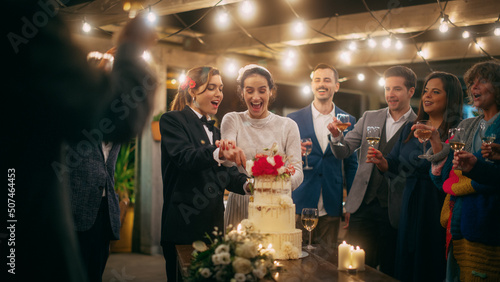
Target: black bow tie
(208, 123)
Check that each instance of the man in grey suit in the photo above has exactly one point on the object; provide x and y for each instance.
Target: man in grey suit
(373, 204)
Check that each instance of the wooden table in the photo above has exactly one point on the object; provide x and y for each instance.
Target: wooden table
(320, 265)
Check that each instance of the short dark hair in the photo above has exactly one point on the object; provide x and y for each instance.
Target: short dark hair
(404, 72)
(488, 70)
(327, 66)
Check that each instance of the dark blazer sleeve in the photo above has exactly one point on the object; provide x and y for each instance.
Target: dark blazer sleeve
(180, 138)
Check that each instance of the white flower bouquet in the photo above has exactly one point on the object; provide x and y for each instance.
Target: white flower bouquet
(235, 256)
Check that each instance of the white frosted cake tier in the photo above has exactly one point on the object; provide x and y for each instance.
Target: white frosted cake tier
(287, 245)
(273, 213)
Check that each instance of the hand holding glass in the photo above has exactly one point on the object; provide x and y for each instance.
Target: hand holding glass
(456, 139)
(307, 142)
(486, 138)
(423, 136)
(309, 220)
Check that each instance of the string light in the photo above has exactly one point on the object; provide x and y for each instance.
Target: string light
(361, 77)
(306, 90)
(381, 81)
(247, 9)
(345, 56)
(146, 56)
(465, 34)
(151, 16)
(223, 18)
(298, 27)
(443, 27)
(86, 26)
(399, 45)
(387, 42)
(231, 68)
(353, 46)
(372, 43)
(497, 31)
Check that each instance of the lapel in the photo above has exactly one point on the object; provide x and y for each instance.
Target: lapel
(196, 127)
(307, 130)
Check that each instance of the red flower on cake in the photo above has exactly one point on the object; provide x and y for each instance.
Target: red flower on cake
(262, 166)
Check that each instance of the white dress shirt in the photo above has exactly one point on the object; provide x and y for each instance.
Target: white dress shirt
(320, 122)
(392, 126)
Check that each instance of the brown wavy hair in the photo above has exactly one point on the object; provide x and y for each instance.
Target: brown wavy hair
(200, 75)
(490, 71)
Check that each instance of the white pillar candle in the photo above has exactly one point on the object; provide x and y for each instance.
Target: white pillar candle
(358, 258)
(344, 259)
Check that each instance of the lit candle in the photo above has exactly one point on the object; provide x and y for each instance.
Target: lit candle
(358, 258)
(344, 259)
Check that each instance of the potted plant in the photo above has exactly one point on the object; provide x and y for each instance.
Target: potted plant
(124, 187)
(155, 127)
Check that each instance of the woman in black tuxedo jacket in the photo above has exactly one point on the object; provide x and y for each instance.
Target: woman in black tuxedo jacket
(193, 179)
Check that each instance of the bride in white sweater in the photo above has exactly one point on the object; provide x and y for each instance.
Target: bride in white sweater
(257, 128)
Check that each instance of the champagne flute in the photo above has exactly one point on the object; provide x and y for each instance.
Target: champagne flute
(343, 125)
(423, 136)
(373, 135)
(307, 142)
(309, 218)
(457, 140)
(486, 138)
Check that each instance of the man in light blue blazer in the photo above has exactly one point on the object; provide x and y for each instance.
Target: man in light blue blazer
(323, 185)
(373, 204)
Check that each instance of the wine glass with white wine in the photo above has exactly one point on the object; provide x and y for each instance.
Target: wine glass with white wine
(307, 142)
(423, 136)
(486, 137)
(309, 220)
(457, 140)
(373, 135)
(342, 125)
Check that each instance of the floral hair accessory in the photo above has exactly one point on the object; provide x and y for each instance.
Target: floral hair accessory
(188, 82)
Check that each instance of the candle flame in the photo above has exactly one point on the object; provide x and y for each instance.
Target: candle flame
(260, 246)
(270, 246)
(357, 248)
(239, 227)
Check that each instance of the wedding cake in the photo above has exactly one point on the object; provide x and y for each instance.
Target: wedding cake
(271, 209)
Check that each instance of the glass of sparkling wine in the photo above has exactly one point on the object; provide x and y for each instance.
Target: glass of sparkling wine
(343, 125)
(486, 138)
(309, 220)
(457, 140)
(423, 136)
(307, 142)
(373, 135)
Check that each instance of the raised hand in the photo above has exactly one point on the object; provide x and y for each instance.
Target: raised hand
(491, 151)
(333, 127)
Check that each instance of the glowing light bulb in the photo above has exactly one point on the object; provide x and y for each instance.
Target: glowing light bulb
(345, 56)
(86, 27)
(399, 45)
(146, 56)
(306, 90)
(151, 17)
(372, 43)
(465, 34)
(353, 46)
(223, 18)
(497, 31)
(247, 9)
(182, 77)
(381, 81)
(443, 27)
(361, 77)
(387, 42)
(298, 27)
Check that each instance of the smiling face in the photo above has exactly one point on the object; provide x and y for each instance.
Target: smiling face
(324, 85)
(434, 98)
(483, 95)
(207, 102)
(397, 95)
(256, 94)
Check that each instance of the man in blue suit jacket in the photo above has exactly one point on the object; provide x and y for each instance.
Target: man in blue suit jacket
(323, 185)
